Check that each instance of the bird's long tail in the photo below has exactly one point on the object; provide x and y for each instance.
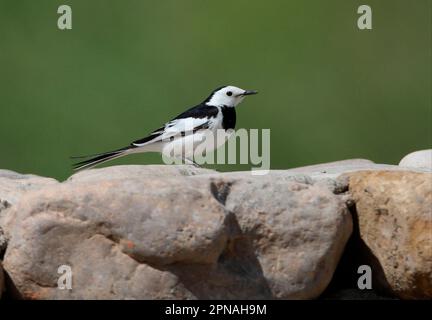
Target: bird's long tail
(100, 158)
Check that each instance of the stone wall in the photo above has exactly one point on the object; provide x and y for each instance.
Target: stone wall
(180, 232)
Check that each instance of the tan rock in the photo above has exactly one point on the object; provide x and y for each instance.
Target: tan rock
(145, 220)
(395, 221)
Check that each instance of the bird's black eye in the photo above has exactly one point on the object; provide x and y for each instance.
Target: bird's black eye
(229, 93)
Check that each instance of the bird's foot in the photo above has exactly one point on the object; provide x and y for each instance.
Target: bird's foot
(190, 161)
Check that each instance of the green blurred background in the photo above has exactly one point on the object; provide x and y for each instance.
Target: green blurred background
(328, 91)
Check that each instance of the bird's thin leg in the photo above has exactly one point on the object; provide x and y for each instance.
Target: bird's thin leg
(185, 160)
(190, 161)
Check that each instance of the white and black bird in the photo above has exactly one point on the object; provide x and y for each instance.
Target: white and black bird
(217, 111)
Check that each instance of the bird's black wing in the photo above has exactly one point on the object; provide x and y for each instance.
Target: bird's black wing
(198, 117)
(155, 134)
(198, 112)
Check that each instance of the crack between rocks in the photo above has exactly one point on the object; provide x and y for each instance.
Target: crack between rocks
(40, 284)
(220, 190)
(117, 243)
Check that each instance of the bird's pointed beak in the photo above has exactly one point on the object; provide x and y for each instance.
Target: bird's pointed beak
(249, 92)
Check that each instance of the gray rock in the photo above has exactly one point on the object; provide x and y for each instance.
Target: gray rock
(331, 171)
(139, 172)
(141, 236)
(297, 231)
(13, 186)
(418, 159)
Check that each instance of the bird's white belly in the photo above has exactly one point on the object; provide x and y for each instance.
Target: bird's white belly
(190, 145)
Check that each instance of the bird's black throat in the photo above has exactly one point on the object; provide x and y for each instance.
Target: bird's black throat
(229, 117)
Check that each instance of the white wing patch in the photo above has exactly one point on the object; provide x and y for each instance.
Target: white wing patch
(178, 128)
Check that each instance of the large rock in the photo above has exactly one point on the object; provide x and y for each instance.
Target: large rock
(141, 236)
(297, 231)
(105, 231)
(13, 186)
(394, 212)
(417, 159)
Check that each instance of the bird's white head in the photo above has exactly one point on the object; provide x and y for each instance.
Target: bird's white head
(229, 96)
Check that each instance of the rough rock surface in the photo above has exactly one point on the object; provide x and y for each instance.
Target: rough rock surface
(134, 235)
(331, 171)
(129, 171)
(13, 185)
(298, 236)
(394, 212)
(417, 159)
(163, 232)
